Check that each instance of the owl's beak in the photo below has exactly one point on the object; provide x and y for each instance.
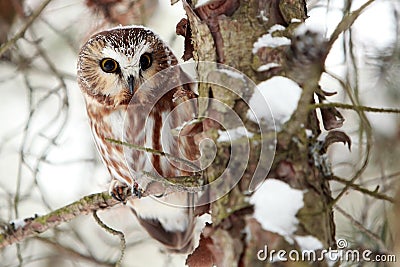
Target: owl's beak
(131, 84)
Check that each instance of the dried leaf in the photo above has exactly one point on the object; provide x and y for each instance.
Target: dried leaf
(202, 256)
(335, 137)
(328, 93)
(331, 118)
(183, 29)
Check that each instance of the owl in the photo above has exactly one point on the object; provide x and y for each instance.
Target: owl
(127, 99)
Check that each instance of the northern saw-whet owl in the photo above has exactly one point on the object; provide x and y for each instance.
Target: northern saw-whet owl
(112, 67)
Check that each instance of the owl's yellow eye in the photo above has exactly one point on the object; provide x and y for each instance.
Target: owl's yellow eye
(109, 65)
(145, 61)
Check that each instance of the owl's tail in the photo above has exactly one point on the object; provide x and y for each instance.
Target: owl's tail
(176, 241)
(179, 240)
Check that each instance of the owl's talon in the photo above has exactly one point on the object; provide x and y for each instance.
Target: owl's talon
(121, 192)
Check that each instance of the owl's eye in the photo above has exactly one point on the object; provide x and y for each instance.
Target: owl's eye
(145, 61)
(109, 65)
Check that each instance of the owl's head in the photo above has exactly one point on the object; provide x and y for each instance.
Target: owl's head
(113, 64)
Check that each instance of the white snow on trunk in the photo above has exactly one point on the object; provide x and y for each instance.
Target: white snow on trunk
(281, 94)
(267, 40)
(308, 242)
(275, 207)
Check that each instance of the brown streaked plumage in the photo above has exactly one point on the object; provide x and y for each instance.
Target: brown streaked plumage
(124, 102)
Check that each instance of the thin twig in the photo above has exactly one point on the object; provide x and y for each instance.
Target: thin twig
(22, 147)
(367, 125)
(24, 28)
(364, 190)
(60, 118)
(355, 107)
(72, 253)
(347, 21)
(156, 152)
(113, 232)
(359, 226)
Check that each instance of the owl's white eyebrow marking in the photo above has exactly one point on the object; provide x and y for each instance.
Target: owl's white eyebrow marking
(127, 56)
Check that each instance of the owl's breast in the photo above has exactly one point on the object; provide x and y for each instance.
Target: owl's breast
(146, 138)
(107, 126)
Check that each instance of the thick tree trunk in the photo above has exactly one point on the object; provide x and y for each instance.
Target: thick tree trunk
(224, 32)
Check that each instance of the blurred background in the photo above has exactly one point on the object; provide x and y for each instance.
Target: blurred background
(48, 159)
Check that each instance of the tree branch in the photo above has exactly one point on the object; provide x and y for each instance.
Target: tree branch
(363, 190)
(347, 22)
(355, 107)
(363, 229)
(24, 28)
(32, 226)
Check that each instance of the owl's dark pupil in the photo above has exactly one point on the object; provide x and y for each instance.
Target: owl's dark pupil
(109, 65)
(145, 61)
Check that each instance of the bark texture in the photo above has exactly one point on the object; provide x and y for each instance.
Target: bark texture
(224, 32)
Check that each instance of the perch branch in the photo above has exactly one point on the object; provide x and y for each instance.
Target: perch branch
(13, 233)
(32, 226)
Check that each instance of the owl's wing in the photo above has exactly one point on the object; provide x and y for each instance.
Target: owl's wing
(188, 92)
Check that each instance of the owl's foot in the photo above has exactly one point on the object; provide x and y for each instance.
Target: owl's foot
(122, 191)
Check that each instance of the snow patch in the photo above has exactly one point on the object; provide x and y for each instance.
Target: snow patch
(233, 134)
(267, 40)
(308, 242)
(18, 223)
(282, 96)
(309, 133)
(233, 74)
(263, 16)
(303, 28)
(202, 3)
(276, 27)
(267, 66)
(275, 207)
